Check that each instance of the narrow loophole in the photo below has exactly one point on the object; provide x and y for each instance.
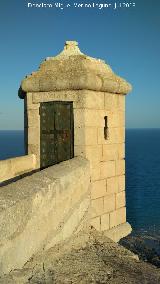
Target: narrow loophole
(106, 127)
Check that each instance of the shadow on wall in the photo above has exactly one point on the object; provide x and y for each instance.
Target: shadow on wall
(43, 209)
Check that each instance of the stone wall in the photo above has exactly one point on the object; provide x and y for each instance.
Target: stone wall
(108, 164)
(14, 167)
(106, 156)
(98, 97)
(41, 210)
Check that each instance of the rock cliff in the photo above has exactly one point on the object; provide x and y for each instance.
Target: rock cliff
(89, 257)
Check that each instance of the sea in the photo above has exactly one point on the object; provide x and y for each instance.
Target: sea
(143, 178)
(142, 173)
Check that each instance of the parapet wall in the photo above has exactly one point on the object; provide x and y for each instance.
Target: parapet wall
(41, 210)
(14, 167)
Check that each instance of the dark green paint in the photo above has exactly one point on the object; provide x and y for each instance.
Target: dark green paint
(56, 133)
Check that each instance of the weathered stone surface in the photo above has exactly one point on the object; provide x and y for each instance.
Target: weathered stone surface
(92, 153)
(121, 183)
(85, 136)
(110, 152)
(115, 135)
(81, 98)
(120, 167)
(118, 217)
(34, 135)
(121, 151)
(73, 70)
(96, 223)
(43, 209)
(98, 189)
(111, 101)
(104, 222)
(109, 203)
(33, 118)
(120, 199)
(121, 102)
(97, 207)
(107, 169)
(98, 97)
(89, 257)
(112, 185)
(118, 232)
(14, 167)
(95, 172)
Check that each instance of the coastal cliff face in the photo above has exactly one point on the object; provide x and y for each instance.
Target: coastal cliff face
(89, 257)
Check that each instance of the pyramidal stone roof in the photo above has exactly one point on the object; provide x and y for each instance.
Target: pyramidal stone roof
(73, 70)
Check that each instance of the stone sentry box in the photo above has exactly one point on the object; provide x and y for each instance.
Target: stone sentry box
(98, 99)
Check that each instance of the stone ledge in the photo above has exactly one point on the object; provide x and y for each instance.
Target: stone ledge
(42, 209)
(14, 167)
(118, 232)
(73, 70)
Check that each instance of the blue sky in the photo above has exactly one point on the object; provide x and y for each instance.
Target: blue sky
(128, 39)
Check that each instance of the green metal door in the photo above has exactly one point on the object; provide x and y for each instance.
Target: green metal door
(56, 132)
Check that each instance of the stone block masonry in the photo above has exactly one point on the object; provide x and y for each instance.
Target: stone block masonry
(98, 97)
(51, 205)
(106, 156)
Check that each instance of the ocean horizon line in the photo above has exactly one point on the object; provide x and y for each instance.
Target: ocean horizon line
(127, 128)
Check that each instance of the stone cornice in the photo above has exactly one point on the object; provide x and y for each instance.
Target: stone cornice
(73, 70)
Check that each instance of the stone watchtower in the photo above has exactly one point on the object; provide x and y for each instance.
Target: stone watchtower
(75, 106)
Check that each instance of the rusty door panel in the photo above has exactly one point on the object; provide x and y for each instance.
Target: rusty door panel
(56, 132)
